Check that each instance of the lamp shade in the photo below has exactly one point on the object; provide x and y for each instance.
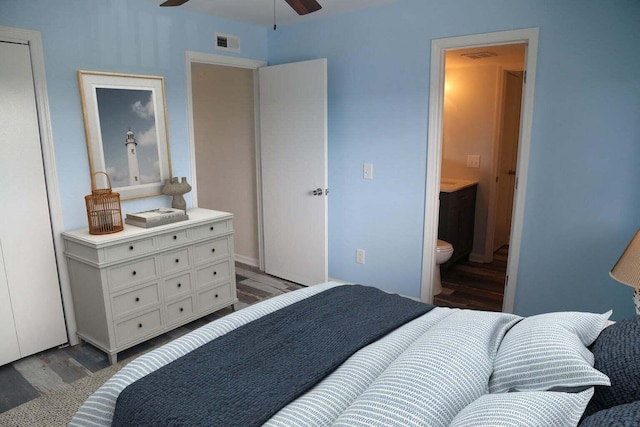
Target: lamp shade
(627, 269)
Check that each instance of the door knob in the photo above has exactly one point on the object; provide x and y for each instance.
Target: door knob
(318, 192)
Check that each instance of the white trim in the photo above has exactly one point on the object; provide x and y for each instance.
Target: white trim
(256, 117)
(229, 61)
(434, 150)
(34, 40)
(246, 260)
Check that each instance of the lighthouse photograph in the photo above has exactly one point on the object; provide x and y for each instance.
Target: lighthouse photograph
(129, 136)
(125, 122)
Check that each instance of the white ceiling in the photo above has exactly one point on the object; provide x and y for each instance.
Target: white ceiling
(260, 12)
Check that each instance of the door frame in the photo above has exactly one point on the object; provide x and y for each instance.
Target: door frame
(228, 61)
(434, 151)
(34, 40)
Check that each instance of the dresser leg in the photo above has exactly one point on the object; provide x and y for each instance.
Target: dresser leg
(113, 358)
(233, 307)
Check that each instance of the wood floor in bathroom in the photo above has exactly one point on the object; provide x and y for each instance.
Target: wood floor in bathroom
(474, 285)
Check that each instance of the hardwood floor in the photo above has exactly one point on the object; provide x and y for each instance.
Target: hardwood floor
(42, 373)
(474, 285)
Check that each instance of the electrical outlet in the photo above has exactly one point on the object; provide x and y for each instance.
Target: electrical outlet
(360, 256)
(473, 161)
(368, 171)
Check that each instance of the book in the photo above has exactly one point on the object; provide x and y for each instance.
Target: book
(155, 217)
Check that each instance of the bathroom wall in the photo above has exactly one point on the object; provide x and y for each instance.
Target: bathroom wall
(470, 113)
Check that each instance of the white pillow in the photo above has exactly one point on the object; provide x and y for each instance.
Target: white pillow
(533, 408)
(549, 352)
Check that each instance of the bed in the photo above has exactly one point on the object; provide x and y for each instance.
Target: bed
(351, 355)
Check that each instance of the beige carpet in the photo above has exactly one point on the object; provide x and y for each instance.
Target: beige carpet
(58, 407)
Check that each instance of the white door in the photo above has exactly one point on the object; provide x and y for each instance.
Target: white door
(30, 270)
(9, 350)
(293, 144)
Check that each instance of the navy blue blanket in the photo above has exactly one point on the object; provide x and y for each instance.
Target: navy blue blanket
(246, 376)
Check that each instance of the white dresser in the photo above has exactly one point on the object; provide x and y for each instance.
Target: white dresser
(133, 285)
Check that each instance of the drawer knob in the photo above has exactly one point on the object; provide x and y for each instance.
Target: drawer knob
(134, 272)
(177, 260)
(215, 273)
(137, 299)
(213, 250)
(179, 285)
(216, 296)
(139, 325)
(131, 247)
(181, 309)
(211, 229)
(175, 237)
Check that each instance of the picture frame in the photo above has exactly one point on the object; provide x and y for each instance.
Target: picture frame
(125, 121)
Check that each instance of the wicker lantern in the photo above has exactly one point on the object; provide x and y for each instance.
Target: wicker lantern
(103, 209)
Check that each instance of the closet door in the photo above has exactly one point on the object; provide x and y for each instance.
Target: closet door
(9, 350)
(29, 269)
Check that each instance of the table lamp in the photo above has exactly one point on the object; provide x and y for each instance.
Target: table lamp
(627, 269)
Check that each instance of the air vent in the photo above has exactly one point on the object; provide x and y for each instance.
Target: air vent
(227, 42)
(478, 55)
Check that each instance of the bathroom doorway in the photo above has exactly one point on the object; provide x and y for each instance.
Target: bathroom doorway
(483, 92)
(477, 162)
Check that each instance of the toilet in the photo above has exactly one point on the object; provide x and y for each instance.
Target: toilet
(444, 250)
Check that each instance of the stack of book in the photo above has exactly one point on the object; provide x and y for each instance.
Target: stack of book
(156, 217)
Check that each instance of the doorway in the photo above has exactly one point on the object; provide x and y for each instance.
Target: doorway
(277, 120)
(225, 149)
(435, 149)
(483, 87)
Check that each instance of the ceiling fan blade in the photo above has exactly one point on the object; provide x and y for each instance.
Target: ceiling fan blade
(302, 7)
(174, 2)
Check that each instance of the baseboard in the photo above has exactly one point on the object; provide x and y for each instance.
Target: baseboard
(247, 260)
(477, 258)
(331, 279)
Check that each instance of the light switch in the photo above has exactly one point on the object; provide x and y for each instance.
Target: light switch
(368, 171)
(473, 161)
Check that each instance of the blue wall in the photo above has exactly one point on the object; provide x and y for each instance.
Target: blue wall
(583, 197)
(122, 36)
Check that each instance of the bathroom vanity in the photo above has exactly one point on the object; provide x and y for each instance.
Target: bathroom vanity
(457, 216)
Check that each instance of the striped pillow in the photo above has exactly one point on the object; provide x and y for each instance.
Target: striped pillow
(533, 408)
(548, 352)
(441, 373)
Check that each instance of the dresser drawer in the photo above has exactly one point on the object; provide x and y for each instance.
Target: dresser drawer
(207, 276)
(136, 300)
(132, 329)
(172, 239)
(211, 229)
(175, 261)
(132, 273)
(177, 286)
(214, 297)
(127, 250)
(179, 309)
(212, 250)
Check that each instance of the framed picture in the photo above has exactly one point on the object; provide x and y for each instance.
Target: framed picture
(125, 121)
